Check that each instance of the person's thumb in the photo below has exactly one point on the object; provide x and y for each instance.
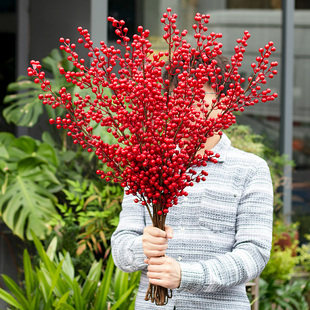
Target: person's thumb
(169, 231)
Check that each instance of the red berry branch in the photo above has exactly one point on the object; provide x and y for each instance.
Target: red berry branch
(159, 126)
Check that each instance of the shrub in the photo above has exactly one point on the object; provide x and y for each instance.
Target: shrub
(53, 284)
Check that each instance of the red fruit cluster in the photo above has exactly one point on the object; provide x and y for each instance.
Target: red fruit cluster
(158, 129)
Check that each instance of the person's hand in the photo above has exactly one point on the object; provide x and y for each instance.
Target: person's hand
(154, 240)
(164, 271)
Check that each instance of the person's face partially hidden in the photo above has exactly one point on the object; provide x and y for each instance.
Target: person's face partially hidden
(204, 108)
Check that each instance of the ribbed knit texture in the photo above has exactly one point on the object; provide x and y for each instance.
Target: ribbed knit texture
(222, 234)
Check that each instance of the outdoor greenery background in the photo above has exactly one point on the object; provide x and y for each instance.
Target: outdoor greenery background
(50, 192)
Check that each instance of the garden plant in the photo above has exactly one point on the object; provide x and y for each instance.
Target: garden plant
(54, 285)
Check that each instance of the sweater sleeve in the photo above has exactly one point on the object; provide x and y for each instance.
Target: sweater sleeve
(126, 241)
(251, 249)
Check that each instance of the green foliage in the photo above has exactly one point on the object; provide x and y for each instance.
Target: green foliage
(24, 106)
(304, 254)
(243, 138)
(283, 295)
(278, 286)
(27, 180)
(32, 174)
(283, 258)
(53, 284)
(89, 216)
(281, 265)
(122, 283)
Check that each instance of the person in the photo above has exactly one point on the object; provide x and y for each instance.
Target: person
(216, 239)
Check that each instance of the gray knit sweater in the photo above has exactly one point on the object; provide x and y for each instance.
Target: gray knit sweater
(222, 234)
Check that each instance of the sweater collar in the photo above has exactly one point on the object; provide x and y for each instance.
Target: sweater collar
(222, 148)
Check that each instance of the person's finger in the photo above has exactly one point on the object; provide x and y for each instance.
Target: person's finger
(169, 231)
(156, 232)
(154, 253)
(157, 260)
(157, 247)
(155, 268)
(154, 275)
(154, 240)
(151, 250)
(159, 282)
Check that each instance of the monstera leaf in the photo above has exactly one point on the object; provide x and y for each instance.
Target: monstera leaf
(27, 168)
(27, 206)
(24, 106)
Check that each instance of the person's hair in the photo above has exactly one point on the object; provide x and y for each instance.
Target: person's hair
(221, 60)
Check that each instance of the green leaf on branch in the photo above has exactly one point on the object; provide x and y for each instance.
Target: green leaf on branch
(51, 285)
(22, 146)
(28, 168)
(16, 290)
(3, 151)
(26, 206)
(53, 62)
(25, 106)
(8, 298)
(28, 274)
